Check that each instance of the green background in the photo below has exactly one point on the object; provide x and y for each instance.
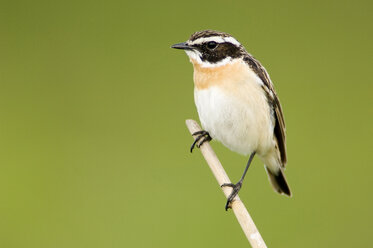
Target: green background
(93, 145)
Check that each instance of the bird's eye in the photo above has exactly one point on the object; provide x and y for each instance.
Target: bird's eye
(212, 45)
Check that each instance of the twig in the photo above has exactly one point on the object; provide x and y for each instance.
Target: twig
(239, 209)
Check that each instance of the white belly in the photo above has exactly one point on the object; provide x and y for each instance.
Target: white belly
(241, 119)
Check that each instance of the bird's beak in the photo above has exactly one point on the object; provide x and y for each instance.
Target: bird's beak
(183, 46)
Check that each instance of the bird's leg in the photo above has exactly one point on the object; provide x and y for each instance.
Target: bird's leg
(236, 187)
(202, 137)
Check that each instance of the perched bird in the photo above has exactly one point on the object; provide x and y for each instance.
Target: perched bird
(237, 104)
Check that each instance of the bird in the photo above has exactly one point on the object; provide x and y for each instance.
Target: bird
(237, 105)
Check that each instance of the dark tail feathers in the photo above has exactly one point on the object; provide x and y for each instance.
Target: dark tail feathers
(278, 182)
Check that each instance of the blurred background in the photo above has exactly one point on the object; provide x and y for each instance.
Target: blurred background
(94, 151)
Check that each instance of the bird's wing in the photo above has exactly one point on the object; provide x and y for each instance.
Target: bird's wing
(273, 100)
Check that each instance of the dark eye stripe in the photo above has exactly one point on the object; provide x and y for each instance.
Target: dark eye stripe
(216, 52)
(212, 44)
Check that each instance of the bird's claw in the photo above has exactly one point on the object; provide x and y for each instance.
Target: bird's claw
(235, 189)
(202, 137)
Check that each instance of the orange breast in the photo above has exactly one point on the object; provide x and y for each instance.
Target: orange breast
(221, 75)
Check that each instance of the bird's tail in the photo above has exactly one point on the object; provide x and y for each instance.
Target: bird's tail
(278, 181)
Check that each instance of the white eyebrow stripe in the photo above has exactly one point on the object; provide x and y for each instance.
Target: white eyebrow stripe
(232, 40)
(217, 39)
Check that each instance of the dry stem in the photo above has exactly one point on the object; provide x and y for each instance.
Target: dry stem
(239, 209)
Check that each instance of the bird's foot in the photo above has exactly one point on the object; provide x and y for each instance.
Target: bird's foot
(202, 137)
(235, 189)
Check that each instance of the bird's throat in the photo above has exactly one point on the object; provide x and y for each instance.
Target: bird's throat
(205, 77)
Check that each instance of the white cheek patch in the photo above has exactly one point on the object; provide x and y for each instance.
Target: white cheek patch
(194, 55)
(206, 64)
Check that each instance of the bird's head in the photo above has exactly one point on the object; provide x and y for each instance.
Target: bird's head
(209, 48)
